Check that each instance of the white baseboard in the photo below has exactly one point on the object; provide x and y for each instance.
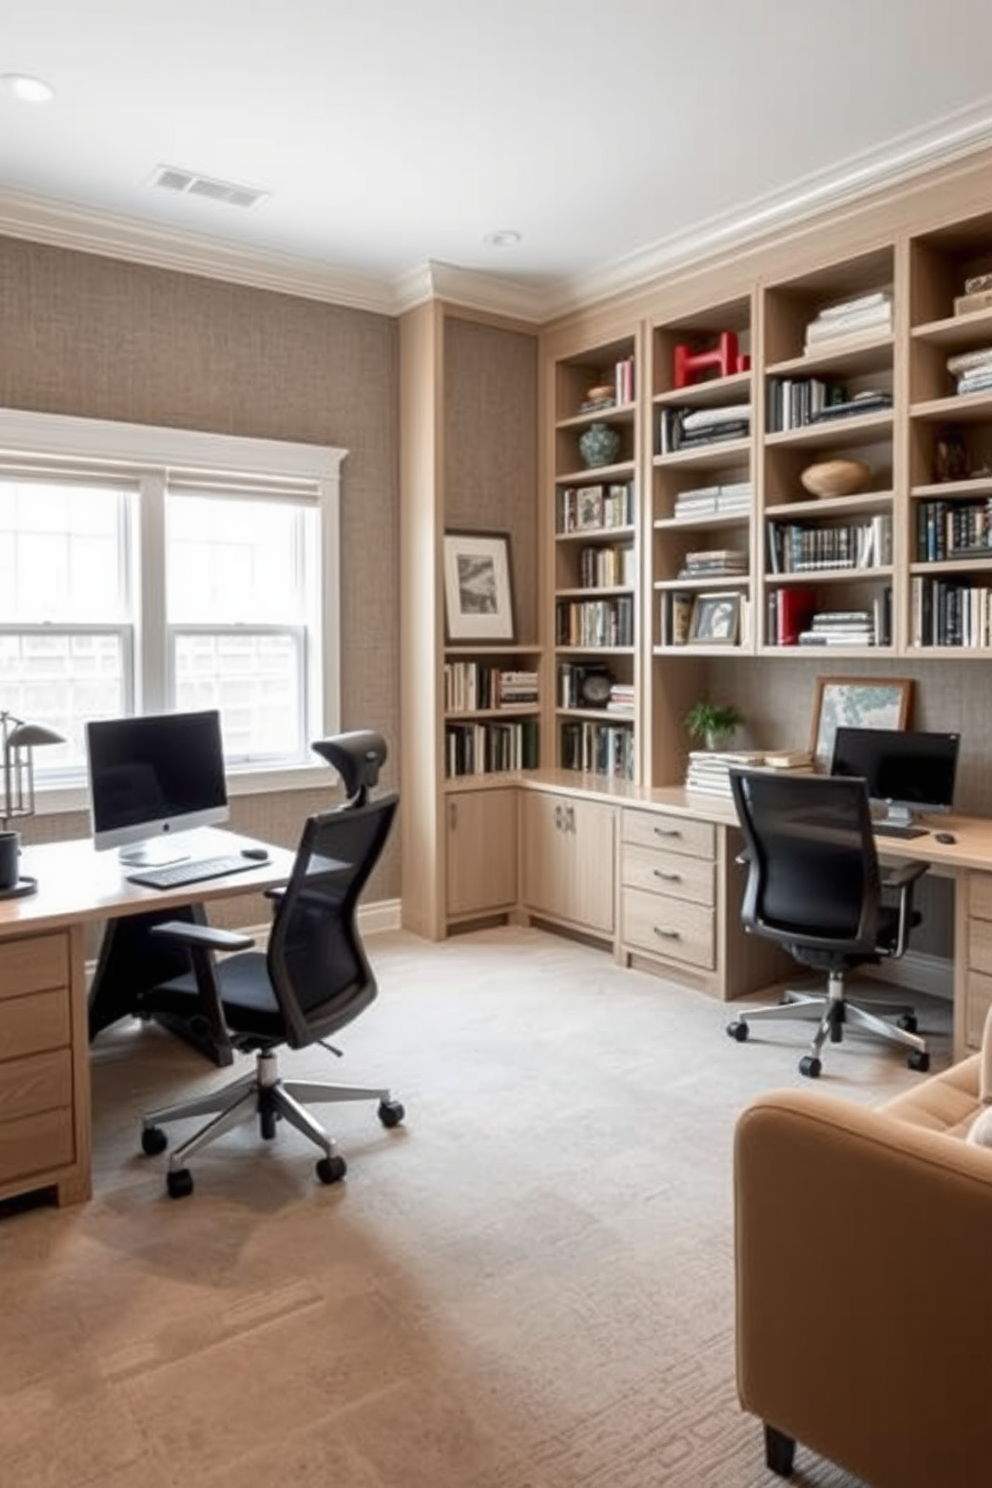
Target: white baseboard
(917, 972)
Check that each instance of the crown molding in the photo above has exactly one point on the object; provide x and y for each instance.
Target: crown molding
(894, 164)
(471, 290)
(61, 225)
(952, 139)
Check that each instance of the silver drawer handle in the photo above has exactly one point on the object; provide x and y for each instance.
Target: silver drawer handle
(667, 877)
(667, 934)
(667, 831)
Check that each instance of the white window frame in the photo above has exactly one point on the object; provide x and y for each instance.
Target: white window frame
(310, 471)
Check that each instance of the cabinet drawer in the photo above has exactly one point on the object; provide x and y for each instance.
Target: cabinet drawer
(980, 895)
(30, 1024)
(666, 872)
(41, 1082)
(668, 927)
(35, 1144)
(678, 834)
(33, 964)
(977, 1001)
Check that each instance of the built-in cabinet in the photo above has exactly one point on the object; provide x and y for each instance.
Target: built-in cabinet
(567, 860)
(481, 852)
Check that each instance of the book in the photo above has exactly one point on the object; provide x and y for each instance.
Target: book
(793, 614)
(853, 307)
(788, 759)
(850, 341)
(975, 283)
(877, 316)
(967, 361)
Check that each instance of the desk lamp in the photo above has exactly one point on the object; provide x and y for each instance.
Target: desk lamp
(17, 740)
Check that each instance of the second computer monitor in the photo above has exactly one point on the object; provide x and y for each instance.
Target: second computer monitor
(909, 771)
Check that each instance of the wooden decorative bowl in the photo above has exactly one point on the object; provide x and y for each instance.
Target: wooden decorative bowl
(836, 477)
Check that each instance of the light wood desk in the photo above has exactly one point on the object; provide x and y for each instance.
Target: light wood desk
(45, 1126)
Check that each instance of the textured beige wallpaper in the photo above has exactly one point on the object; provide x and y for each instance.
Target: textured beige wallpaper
(99, 338)
(490, 402)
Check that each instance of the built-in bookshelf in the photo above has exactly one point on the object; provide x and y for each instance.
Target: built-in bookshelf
(491, 711)
(826, 556)
(950, 440)
(596, 553)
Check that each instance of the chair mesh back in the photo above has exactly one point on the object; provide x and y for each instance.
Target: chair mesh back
(813, 866)
(316, 961)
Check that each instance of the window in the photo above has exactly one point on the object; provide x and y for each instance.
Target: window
(145, 570)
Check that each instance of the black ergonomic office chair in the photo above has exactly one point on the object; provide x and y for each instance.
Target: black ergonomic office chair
(313, 978)
(814, 886)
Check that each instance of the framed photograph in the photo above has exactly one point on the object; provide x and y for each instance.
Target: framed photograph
(856, 702)
(716, 620)
(478, 593)
(590, 507)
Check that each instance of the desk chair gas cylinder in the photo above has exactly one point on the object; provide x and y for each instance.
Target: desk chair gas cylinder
(814, 886)
(313, 978)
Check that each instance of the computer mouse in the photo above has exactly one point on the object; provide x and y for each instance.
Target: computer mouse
(260, 854)
(944, 837)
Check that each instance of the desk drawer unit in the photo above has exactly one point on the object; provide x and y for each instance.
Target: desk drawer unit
(37, 1127)
(668, 888)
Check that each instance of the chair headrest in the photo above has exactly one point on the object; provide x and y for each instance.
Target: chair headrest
(357, 756)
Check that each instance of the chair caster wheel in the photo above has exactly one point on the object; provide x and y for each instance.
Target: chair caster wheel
(810, 1066)
(919, 1060)
(738, 1030)
(153, 1141)
(331, 1169)
(179, 1183)
(907, 1022)
(391, 1113)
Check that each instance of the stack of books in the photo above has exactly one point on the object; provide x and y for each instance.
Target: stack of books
(849, 322)
(708, 501)
(621, 698)
(689, 428)
(972, 370)
(713, 563)
(709, 769)
(840, 628)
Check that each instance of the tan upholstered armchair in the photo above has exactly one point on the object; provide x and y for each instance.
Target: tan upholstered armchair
(864, 1282)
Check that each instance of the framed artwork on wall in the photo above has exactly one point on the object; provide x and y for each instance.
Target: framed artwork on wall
(855, 702)
(478, 592)
(716, 619)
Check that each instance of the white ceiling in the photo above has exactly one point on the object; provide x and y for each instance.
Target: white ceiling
(613, 135)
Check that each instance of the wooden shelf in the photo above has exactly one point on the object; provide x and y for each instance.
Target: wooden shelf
(715, 393)
(716, 456)
(855, 428)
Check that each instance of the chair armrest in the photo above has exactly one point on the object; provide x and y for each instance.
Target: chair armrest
(212, 937)
(864, 1285)
(904, 874)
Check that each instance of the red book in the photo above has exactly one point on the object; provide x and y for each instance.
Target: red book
(794, 613)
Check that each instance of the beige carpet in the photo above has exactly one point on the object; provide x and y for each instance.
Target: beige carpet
(529, 1286)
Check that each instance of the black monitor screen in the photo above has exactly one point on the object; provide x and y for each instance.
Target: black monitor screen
(154, 774)
(902, 767)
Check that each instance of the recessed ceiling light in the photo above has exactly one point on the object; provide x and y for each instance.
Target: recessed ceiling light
(27, 89)
(503, 237)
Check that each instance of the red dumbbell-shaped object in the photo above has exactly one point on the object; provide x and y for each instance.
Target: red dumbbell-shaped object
(724, 356)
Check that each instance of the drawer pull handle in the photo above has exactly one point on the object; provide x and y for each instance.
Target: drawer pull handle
(667, 934)
(668, 877)
(668, 831)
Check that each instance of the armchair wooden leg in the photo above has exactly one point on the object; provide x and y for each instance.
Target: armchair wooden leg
(779, 1451)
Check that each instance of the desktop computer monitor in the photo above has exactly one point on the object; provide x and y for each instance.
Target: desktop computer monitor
(153, 776)
(907, 771)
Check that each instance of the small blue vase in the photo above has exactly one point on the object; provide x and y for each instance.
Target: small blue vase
(599, 445)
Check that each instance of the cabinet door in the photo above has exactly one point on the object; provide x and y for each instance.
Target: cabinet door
(590, 826)
(568, 859)
(482, 851)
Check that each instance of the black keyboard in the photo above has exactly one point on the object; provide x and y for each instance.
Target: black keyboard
(174, 875)
(879, 829)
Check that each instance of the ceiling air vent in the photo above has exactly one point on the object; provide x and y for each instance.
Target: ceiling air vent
(188, 183)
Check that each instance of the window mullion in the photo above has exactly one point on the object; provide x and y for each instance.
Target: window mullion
(154, 669)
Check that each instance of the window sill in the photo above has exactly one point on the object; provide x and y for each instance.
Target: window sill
(54, 801)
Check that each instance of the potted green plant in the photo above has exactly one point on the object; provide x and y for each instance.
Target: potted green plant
(713, 724)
